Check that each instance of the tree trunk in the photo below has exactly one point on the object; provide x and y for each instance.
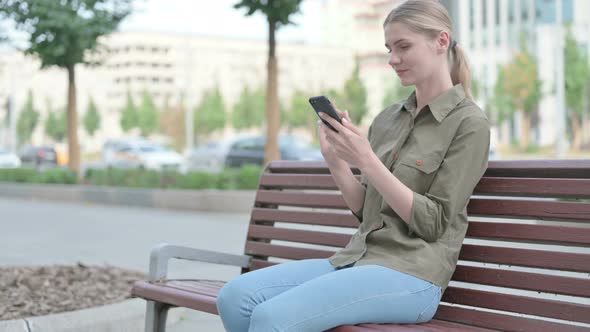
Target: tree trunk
(273, 118)
(73, 147)
(525, 129)
(577, 129)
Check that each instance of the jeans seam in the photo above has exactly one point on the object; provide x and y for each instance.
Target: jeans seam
(254, 292)
(355, 302)
(434, 299)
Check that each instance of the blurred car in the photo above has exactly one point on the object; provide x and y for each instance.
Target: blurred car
(38, 156)
(8, 159)
(251, 150)
(211, 156)
(142, 154)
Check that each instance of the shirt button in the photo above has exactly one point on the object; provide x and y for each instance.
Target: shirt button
(395, 156)
(419, 162)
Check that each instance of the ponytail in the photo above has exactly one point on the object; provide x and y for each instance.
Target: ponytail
(460, 72)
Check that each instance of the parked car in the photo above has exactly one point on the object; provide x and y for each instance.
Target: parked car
(211, 156)
(141, 153)
(8, 159)
(38, 156)
(251, 150)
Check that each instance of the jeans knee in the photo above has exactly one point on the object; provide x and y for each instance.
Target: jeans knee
(264, 319)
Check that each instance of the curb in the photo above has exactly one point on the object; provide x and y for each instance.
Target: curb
(128, 316)
(210, 200)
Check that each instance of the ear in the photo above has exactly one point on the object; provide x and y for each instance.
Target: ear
(443, 41)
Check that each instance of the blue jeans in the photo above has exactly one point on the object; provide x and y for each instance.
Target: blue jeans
(312, 295)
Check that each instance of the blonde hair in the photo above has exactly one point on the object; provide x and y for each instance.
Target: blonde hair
(429, 17)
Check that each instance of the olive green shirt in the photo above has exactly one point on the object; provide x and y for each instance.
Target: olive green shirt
(440, 154)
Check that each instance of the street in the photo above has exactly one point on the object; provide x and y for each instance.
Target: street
(39, 233)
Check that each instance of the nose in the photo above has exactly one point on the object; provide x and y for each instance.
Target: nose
(394, 59)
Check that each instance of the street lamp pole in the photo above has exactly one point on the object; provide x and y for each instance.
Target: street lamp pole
(560, 83)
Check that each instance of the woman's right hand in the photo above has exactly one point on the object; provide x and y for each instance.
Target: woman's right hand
(326, 148)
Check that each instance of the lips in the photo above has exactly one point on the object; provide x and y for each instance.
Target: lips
(400, 72)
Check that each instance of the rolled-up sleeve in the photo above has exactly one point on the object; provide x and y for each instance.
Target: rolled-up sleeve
(464, 164)
(364, 182)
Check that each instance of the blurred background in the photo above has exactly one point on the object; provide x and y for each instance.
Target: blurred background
(181, 84)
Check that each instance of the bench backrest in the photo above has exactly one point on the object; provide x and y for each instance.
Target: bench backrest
(524, 266)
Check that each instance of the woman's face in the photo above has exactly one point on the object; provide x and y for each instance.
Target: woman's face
(413, 56)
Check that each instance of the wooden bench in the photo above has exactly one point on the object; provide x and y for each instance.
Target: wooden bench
(524, 266)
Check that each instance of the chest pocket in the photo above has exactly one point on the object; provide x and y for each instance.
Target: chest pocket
(417, 172)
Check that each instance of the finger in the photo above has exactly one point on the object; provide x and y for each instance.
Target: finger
(348, 125)
(332, 121)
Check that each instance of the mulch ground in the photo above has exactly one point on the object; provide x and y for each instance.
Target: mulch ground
(37, 291)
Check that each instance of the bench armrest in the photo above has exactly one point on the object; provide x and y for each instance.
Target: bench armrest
(163, 252)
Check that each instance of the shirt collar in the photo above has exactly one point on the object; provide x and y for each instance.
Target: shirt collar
(442, 105)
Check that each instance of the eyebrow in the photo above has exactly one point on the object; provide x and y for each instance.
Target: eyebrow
(397, 41)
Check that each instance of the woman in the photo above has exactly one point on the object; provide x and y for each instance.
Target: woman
(419, 165)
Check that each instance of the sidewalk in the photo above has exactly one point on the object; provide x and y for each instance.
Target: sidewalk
(38, 233)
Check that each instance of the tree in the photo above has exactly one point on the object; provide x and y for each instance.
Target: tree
(248, 112)
(278, 13)
(147, 115)
(91, 118)
(27, 120)
(522, 83)
(210, 114)
(501, 101)
(577, 81)
(129, 116)
(395, 93)
(61, 34)
(353, 97)
(300, 113)
(172, 124)
(56, 125)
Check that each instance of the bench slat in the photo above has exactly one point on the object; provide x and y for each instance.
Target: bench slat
(305, 217)
(312, 200)
(520, 304)
(523, 280)
(299, 181)
(575, 188)
(301, 236)
(160, 292)
(575, 262)
(432, 326)
(530, 209)
(273, 250)
(532, 232)
(501, 321)
(539, 168)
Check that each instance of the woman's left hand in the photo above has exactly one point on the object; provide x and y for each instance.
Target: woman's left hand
(349, 143)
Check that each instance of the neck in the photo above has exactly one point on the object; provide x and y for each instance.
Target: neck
(431, 88)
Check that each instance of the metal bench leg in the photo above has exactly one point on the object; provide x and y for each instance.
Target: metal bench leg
(155, 316)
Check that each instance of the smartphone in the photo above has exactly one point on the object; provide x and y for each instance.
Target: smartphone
(323, 104)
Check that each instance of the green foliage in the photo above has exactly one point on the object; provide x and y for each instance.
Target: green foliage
(245, 178)
(501, 102)
(577, 76)
(129, 116)
(30, 175)
(278, 11)
(396, 93)
(61, 32)
(56, 125)
(353, 97)
(91, 118)
(210, 114)
(248, 112)
(300, 113)
(147, 115)
(522, 83)
(27, 120)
